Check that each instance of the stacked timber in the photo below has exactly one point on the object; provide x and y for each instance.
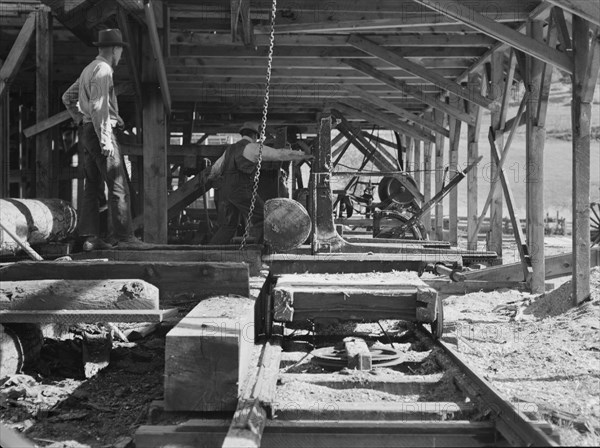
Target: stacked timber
(36, 221)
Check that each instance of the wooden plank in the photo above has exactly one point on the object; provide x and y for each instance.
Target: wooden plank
(155, 168)
(47, 123)
(384, 411)
(556, 266)
(422, 72)
(4, 144)
(132, 60)
(80, 316)
(439, 176)
(325, 434)
(406, 89)
(418, 167)
(195, 279)
(77, 294)
(455, 128)
(251, 255)
(17, 54)
(427, 168)
(354, 263)
(207, 355)
(516, 222)
(585, 74)
(390, 107)
(366, 111)
(158, 56)
(449, 287)
(45, 186)
(494, 240)
(585, 9)
(257, 398)
(472, 156)
(399, 385)
(501, 32)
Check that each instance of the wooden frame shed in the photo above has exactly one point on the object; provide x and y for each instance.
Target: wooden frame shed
(421, 68)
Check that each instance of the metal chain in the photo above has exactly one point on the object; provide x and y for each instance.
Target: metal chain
(263, 127)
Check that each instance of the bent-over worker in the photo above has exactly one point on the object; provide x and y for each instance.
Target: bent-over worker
(237, 167)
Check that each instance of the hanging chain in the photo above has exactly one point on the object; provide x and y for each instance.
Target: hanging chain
(263, 127)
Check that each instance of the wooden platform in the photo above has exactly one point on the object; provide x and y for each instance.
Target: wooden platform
(403, 296)
(355, 262)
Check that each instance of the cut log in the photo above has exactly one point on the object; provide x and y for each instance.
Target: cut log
(36, 221)
(287, 224)
(20, 346)
(78, 295)
(198, 280)
(207, 355)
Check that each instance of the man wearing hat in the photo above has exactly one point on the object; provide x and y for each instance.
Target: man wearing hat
(237, 167)
(92, 103)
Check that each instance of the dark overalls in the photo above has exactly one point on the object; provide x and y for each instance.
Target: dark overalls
(235, 195)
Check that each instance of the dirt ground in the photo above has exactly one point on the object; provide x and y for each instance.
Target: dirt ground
(533, 349)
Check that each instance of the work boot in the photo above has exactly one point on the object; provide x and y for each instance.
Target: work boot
(95, 243)
(134, 243)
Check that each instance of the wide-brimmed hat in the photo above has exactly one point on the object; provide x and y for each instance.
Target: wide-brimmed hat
(110, 38)
(251, 126)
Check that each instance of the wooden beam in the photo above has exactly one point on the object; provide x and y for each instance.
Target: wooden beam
(498, 87)
(510, 76)
(587, 10)
(427, 172)
(584, 80)
(403, 87)
(158, 56)
(422, 72)
(82, 316)
(472, 156)
(510, 204)
(439, 177)
(381, 119)
(17, 54)
(132, 61)
(563, 31)
(535, 137)
(417, 175)
(4, 144)
(376, 100)
(501, 32)
(45, 186)
(155, 168)
(455, 128)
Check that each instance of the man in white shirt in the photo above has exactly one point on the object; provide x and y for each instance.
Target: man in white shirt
(92, 103)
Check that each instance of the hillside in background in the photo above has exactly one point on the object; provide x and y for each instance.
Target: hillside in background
(557, 159)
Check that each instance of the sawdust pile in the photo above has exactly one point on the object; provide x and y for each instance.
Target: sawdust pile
(560, 300)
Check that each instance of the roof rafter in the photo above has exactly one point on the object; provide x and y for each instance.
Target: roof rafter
(586, 9)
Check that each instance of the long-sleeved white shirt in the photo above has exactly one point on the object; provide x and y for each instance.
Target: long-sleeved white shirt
(92, 99)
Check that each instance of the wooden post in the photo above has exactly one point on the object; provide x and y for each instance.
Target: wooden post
(4, 144)
(155, 167)
(496, 88)
(455, 128)
(584, 80)
(427, 153)
(534, 179)
(472, 154)
(410, 155)
(418, 165)
(44, 172)
(439, 177)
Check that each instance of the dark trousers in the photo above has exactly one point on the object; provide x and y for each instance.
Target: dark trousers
(233, 209)
(100, 169)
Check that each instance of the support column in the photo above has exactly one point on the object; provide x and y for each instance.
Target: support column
(418, 175)
(44, 170)
(496, 89)
(585, 73)
(475, 82)
(455, 128)
(4, 144)
(410, 156)
(427, 156)
(535, 138)
(439, 176)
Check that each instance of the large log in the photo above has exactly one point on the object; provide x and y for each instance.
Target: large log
(195, 279)
(125, 294)
(36, 221)
(287, 224)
